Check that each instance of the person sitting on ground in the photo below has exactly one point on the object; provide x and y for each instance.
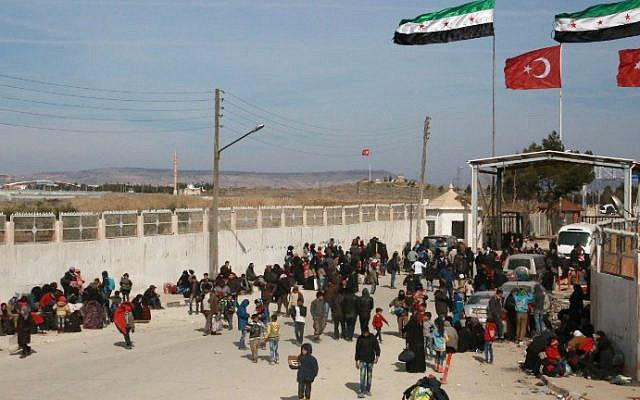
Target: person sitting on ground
(152, 298)
(183, 285)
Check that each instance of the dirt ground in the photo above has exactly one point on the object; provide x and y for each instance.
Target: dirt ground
(172, 359)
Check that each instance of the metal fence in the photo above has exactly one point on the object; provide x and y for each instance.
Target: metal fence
(190, 220)
(246, 218)
(157, 222)
(293, 216)
(315, 216)
(351, 215)
(334, 215)
(384, 213)
(368, 213)
(33, 228)
(3, 229)
(398, 211)
(271, 217)
(120, 224)
(224, 219)
(79, 226)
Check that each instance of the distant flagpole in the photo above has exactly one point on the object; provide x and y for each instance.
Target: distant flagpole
(561, 122)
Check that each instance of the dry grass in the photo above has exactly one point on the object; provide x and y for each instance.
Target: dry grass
(347, 194)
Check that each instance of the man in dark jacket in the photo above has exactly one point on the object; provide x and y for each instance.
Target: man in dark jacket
(349, 312)
(364, 305)
(338, 317)
(307, 371)
(367, 354)
(495, 310)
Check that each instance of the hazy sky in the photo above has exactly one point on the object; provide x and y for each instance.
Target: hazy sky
(326, 72)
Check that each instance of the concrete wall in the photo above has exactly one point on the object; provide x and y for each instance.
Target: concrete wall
(159, 259)
(614, 310)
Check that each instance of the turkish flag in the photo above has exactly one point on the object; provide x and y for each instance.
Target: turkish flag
(365, 152)
(629, 69)
(538, 69)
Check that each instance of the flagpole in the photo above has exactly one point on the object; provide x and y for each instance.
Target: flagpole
(493, 129)
(561, 122)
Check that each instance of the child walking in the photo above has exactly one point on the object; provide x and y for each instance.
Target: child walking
(255, 327)
(62, 310)
(273, 337)
(307, 371)
(428, 329)
(489, 337)
(377, 322)
(440, 339)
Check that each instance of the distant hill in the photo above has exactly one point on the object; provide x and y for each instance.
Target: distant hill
(228, 178)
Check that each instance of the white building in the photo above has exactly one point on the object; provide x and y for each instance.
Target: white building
(448, 214)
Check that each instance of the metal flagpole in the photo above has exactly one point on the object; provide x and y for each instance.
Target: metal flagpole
(561, 122)
(493, 130)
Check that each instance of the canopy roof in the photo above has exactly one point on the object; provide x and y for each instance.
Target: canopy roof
(514, 160)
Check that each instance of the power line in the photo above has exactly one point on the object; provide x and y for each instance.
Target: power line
(307, 124)
(298, 130)
(45, 128)
(17, 78)
(105, 119)
(103, 98)
(105, 108)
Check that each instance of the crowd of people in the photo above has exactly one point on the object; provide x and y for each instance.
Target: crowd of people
(72, 305)
(343, 281)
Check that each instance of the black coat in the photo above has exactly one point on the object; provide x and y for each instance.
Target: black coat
(308, 369)
(367, 348)
(415, 341)
(349, 306)
(24, 328)
(364, 306)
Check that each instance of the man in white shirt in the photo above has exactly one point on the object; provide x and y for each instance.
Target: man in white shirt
(418, 268)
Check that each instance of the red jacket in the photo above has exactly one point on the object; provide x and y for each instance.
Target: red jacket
(378, 320)
(490, 332)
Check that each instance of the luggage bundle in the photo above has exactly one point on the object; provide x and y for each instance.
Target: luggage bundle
(428, 388)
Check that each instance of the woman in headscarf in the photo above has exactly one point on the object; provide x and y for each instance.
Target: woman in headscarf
(415, 342)
(364, 307)
(401, 310)
(250, 273)
(24, 326)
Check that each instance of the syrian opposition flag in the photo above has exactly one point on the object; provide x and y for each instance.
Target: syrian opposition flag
(599, 23)
(538, 69)
(468, 21)
(629, 70)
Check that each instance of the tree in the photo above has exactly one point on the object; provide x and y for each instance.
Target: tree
(546, 181)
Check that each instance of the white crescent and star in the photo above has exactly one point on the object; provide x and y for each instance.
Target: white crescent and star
(547, 68)
(637, 66)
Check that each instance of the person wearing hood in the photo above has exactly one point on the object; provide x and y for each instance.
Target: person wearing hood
(364, 306)
(307, 371)
(457, 308)
(414, 333)
(350, 313)
(123, 320)
(243, 320)
(250, 273)
(24, 326)
(183, 284)
(522, 299)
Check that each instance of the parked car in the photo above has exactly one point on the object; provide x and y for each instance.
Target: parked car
(582, 233)
(534, 263)
(442, 242)
(608, 209)
(476, 305)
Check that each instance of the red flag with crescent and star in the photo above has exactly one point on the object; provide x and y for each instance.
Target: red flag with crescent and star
(365, 152)
(629, 69)
(538, 69)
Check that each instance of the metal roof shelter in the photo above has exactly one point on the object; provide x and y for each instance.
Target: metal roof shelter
(497, 165)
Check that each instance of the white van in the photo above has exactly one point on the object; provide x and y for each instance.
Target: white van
(582, 233)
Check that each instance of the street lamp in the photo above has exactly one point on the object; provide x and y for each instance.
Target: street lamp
(213, 217)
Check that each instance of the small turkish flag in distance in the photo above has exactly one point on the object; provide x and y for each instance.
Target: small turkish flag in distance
(365, 152)
(629, 69)
(538, 69)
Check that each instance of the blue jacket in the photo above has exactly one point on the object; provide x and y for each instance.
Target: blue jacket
(522, 300)
(243, 315)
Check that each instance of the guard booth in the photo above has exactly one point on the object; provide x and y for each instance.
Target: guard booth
(496, 166)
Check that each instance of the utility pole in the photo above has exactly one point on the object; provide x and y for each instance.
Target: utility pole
(175, 173)
(425, 138)
(213, 214)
